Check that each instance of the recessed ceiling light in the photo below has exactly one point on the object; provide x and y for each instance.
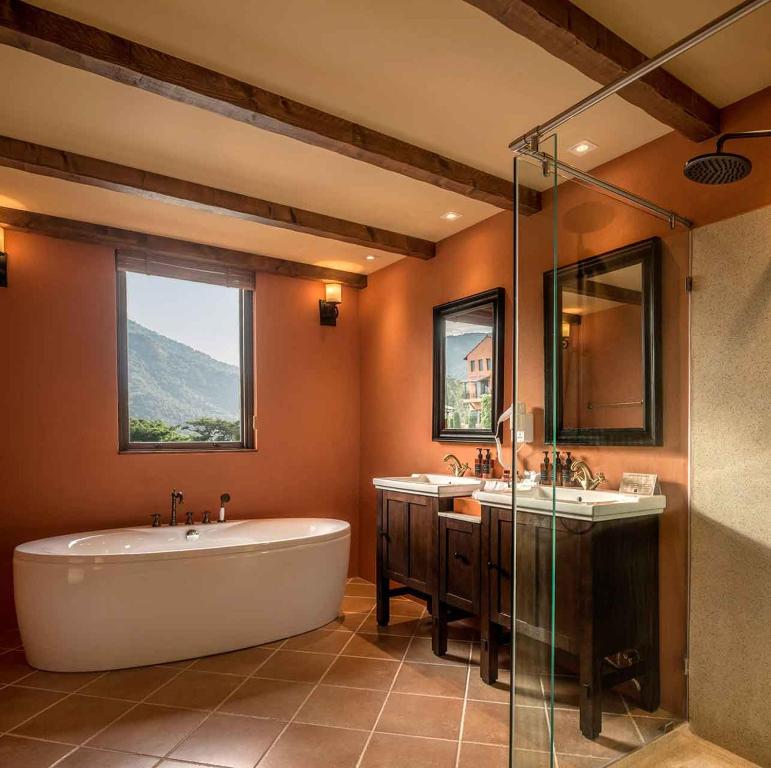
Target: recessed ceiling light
(582, 147)
(451, 216)
(370, 257)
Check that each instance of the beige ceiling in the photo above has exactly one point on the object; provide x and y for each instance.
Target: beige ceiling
(437, 73)
(732, 64)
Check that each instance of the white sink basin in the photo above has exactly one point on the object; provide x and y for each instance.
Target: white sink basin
(442, 486)
(574, 502)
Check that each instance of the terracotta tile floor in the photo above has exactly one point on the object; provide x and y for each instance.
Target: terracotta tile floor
(349, 695)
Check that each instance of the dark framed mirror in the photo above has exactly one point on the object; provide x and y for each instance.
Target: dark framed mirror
(608, 377)
(468, 367)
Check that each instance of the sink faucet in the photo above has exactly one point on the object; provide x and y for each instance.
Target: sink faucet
(176, 498)
(583, 475)
(457, 468)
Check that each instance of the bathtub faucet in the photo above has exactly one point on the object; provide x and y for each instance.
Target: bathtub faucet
(176, 498)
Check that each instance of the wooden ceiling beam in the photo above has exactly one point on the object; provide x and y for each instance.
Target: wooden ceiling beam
(67, 41)
(112, 237)
(573, 36)
(47, 161)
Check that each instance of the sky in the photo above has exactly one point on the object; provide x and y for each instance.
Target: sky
(202, 316)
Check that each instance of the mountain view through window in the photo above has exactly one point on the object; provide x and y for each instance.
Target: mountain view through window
(184, 375)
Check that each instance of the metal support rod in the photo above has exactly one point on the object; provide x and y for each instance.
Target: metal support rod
(663, 213)
(701, 34)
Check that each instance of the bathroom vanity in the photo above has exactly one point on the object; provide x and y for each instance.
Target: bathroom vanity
(407, 534)
(605, 550)
(606, 607)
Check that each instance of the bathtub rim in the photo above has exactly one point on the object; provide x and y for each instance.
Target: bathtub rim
(49, 558)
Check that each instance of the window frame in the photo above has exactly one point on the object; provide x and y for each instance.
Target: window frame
(246, 347)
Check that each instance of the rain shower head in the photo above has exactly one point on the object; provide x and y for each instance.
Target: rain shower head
(717, 168)
(722, 167)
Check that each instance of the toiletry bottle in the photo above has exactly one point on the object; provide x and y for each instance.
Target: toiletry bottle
(557, 469)
(545, 469)
(478, 463)
(486, 464)
(567, 472)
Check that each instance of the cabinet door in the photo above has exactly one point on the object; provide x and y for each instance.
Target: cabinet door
(500, 566)
(395, 533)
(421, 548)
(536, 534)
(459, 567)
(407, 529)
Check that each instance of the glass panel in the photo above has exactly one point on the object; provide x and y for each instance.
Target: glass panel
(184, 364)
(615, 681)
(531, 532)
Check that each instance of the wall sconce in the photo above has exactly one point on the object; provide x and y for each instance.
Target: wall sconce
(333, 295)
(3, 261)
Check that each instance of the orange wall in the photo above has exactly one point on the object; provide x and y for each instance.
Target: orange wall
(59, 466)
(396, 336)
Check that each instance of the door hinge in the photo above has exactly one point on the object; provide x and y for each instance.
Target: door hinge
(689, 284)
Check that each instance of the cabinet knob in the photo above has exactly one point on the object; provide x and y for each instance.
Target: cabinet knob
(492, 566)
(384, 534)
(460, 556)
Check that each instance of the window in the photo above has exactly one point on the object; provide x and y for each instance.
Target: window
(489, 363)
(185, 355)
(472, 363)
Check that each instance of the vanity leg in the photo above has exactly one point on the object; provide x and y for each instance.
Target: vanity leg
(488, 656)
(590, 701)
(650, 682)
(439, 629)
(383, 595)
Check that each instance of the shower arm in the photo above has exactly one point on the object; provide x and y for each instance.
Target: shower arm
(742, 135)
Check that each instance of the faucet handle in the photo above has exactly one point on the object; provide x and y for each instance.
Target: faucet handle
(156, 520)
(206, 519)
(188, 518)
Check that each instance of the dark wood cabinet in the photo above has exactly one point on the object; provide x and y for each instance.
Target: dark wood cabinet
(459, 571)
(605, 603)
(606, 590)
(406, 548)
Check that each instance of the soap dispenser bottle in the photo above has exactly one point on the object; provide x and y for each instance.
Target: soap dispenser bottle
(567, 471)
(545, 469)
(478, 463)
(557, 469)
(486, 464)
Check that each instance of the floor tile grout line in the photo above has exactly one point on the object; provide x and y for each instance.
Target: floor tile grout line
(549, 725)
(634, 722)
(70, 695)
(387, 697)
(311, 692)
(212, 712)
(253, 675)
(465, 704)
(179, 672)
(67, 695)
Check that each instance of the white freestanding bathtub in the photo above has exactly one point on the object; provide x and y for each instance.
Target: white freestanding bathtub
(132, 596)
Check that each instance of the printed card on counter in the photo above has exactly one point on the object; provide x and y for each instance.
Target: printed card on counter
(642, 485)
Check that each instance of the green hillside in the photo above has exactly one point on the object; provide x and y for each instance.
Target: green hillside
(174, 383)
